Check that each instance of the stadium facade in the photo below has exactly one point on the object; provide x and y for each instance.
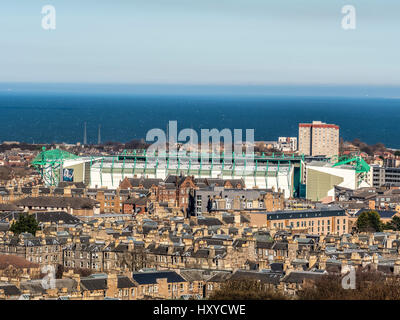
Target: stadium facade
(293, 175)
(277, 171)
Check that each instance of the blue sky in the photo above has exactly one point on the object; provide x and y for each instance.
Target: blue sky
(251, 42)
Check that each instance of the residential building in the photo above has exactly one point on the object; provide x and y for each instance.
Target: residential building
(319, 138)
(287, 144)
(327, 220)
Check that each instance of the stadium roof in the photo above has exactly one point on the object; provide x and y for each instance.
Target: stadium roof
(53, 155)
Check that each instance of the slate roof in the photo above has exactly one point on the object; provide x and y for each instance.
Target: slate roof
(10, 289)
(276, 267)
(265, 277)
(151, 277)
(200, 253)
(382, 213)
(43, 190)
(264, 244)
(9, 207)
(146, 183)
(58, 191)
(159, 250)
(280, 246)
(228, 218)
(222, 182)
(56, 216)
(77, 191)
(43, 217)
(220, 276)
(125, 282)
(238, 243)
(92, 284)
(300, 276)
(208, 221)
(56, 202)
(194, 274)
(309, 213)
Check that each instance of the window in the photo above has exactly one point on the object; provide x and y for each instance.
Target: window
(181, 287)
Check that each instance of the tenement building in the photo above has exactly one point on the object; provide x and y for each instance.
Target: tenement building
(323, 221)
(218, 198)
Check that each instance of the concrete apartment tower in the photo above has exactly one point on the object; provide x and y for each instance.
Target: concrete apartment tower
(318, 138)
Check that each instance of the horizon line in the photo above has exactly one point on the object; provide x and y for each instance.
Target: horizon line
(202, 84)
(185, 89)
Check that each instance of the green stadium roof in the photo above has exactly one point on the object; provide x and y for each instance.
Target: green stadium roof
(53, 155)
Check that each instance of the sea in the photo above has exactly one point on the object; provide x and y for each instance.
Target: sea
(36, 117)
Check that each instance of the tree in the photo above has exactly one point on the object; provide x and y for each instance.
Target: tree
(209, 205)
(83, 272)
(59, 271)
(394, 224)
(25, 223)
(370, 285)
(191, 206)
(369, 221)
(132, 259)
(246, 290)
(136, 144)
